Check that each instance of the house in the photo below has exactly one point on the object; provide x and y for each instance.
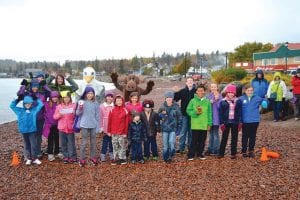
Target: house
(283, 57)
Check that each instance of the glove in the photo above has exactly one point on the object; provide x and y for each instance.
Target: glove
(42, 83)
(24, 82)
(222, 127)
(283, 99)
(240, 127)
(20, 98)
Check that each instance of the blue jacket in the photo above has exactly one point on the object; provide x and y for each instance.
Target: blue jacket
(250, 108)
(224, 112)
(260, 87)
(172, 121)
(26, 118)
(137, 131)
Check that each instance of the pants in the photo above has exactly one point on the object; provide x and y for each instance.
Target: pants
(53, 140)
(297, 105)
(185, 134)
(234, 139)
(119, 147)
(68, 145)
(198, 143)
(137, 153)
(285, 109)
(168, 145)
(39, 126)
(88, 133)
(277, 106)
(214, 140)
(150, 143)
(106, 145)
(249, 136)
(30, 145)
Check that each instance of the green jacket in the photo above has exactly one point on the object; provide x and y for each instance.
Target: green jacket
(72, 88)
(200, 121)
(277, 86)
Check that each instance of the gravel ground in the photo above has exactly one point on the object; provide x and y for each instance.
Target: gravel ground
(243, 178)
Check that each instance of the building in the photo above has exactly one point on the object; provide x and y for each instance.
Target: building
(283, 57)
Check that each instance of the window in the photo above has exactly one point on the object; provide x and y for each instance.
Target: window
(273, 61)
(265, 62)
(297, 59)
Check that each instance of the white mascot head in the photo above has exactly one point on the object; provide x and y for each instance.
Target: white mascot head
(89, 74)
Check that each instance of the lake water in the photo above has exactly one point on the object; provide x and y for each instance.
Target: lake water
(8, 90)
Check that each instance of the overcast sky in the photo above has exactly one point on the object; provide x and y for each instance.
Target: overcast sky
(58, 30)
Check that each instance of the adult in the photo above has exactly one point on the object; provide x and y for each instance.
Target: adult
(276, 94)
(296, 93)
(185, 95)
(260, 84)
(59, 83)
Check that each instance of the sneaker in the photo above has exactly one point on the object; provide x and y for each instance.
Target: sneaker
(66, 160)
(296, 118)
(59, 155)
(245, 155)
(51, 157)
(275, 120)
(133, 161)
(190, 159)
(233, 156)
(123, 162)
(146, 158)
(207, 153)
(169, 161)
(251, 154)
(202, 157)
(28, 162)
(114, 162)
(72, 160)
(81, 163)
(142, 161)
(93, 161)
(39, 156)
(155, 158)
(37, 162)
(102, 157)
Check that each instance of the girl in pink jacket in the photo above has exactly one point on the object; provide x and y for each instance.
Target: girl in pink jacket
(105, 109)
(65, 113)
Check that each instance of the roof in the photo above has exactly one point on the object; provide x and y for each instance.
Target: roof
(279, 51)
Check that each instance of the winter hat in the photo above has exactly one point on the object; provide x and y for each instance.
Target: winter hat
(34, 83)
(259, 71)
(109, 93)
(86, 91)
(169, 94)
(148, 103)
(231, 88)
(27, 100)
(54, 94)
(40, 75)
(65, 94)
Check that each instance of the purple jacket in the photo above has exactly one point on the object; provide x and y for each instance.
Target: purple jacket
(215, 108)
(48, 116)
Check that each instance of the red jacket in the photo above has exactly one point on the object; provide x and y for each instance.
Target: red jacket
(118, 120)
(296, 85)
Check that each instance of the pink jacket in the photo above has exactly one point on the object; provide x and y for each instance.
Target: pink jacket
(65, 115)
(130, 107)
(104, 112)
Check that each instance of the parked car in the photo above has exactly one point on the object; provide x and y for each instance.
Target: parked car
(175, 77)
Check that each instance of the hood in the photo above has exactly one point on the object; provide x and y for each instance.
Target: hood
(277, 74)
(259, 72)
(123, 101)
(87, 90)
(27, 100)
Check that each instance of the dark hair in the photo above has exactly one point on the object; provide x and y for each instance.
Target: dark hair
(63, 78)
(247, 86)
(201, 86)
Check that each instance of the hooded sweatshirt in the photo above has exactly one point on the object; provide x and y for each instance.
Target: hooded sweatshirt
(277, 86)
(118, 120)
(261, 85)
(296, 85)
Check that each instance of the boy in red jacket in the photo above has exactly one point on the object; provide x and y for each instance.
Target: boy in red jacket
(296, 92)
(118, 121)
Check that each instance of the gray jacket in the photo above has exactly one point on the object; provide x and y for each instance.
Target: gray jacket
(90, 117)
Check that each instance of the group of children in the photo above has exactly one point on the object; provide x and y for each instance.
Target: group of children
(130, 128)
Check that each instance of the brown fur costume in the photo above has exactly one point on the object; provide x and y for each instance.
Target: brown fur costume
(131, 85)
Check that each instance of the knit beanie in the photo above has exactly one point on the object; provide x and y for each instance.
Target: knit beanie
(169, 94)
(231, 88)
(27, 100)
(109, 93)
(54, 94)
(34, 83)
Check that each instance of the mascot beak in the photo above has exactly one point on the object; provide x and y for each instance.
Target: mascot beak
(88, 79)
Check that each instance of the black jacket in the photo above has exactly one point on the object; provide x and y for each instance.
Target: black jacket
(224, 112)
(153, 124)
(137, 132)
(185, 95)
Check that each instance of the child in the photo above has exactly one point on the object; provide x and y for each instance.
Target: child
(136, 135)
(276, 93)
(152, 123)
(118, 120)
(105, 109)
(89, 124)
(214, 139)
(296, 91)
(134, 105)
(59, 84)
(199, 109)
(65, 114)
(250, 120)
(171, 121)
(230, 115)
(27, 126)
(50, 130)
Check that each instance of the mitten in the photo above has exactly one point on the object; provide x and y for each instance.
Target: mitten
(222, 127)
(42, 83)
(24, 82)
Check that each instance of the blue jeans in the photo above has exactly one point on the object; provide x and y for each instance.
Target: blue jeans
(68, 145)
(137, 152)
(151, 142)
(185, 133)
(106, 145)
(30, 145)
(214, 140)
(168, 145)
(39, 126)
(277, 106)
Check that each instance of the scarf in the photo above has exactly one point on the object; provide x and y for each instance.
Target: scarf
(232, 103)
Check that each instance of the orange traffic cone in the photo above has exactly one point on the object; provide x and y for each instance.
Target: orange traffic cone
(15, 159)
(273, 154)
(264, 156)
